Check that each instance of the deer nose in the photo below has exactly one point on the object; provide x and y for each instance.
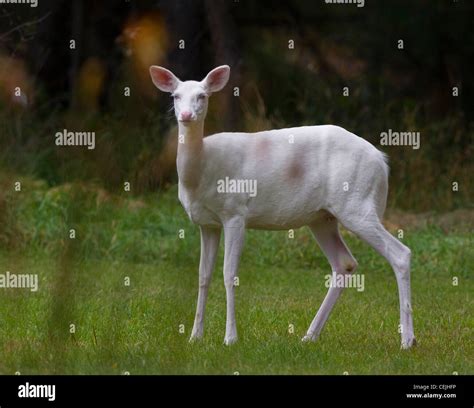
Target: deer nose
(186, 115)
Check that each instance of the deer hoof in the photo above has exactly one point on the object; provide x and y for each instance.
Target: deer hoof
(407, 344)
(196, 335)
(230, 340)
(308, 339)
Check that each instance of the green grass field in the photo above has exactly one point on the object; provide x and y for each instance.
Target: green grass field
(143, 328)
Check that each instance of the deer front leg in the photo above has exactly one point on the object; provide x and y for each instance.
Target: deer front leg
(234, 232)
(209, 245)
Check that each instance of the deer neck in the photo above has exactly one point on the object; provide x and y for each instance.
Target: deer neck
(190, 153)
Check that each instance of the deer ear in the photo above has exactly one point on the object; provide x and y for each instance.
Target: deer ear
(217, 78)
(163, 79)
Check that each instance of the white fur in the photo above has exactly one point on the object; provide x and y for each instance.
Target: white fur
(314, 175)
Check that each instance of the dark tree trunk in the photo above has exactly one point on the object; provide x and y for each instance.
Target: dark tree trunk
(77, 27)
(185, 22)
(227, 51)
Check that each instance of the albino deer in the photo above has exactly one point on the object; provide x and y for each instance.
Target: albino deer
(312, 175)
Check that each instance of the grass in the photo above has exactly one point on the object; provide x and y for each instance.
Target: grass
(137, 328)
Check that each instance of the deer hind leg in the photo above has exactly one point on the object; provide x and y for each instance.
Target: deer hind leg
(368, 227)
(342, 262)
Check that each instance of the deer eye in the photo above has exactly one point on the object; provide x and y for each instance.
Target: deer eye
(176, 97)
(201, 97)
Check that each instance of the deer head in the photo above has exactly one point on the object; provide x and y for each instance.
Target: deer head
(190, 97)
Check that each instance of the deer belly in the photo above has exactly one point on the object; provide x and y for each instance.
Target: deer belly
(278, 218)
(275, 223)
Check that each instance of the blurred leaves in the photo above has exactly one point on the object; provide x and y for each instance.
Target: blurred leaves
(336, 48)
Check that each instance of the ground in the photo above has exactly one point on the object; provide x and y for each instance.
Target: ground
(144, 328)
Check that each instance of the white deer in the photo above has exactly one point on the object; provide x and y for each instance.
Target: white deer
(313, 176)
